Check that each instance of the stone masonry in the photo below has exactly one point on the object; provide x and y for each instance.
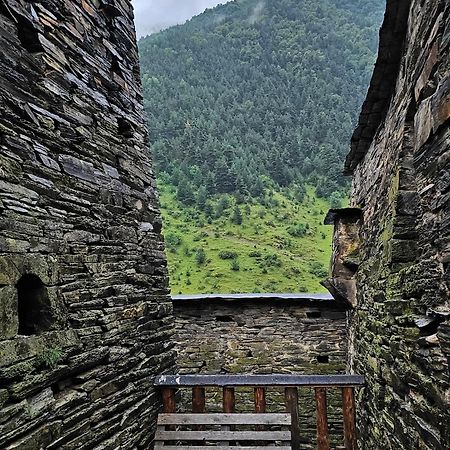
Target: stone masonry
(400, 161)
(251, 334)
(85, 317)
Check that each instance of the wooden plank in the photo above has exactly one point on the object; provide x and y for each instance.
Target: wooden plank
(291, 399)
(169, 404)
(224, 419)
(198, 399)
(348, 402)
(212, 435)
(323, 439)
(259, 380)
(228, 400)
(218, 447)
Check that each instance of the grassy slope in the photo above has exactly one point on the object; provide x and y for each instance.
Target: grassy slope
(300, 264)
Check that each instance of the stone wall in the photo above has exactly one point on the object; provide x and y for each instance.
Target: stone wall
(251, 334)
(85, 317)
(400, 161)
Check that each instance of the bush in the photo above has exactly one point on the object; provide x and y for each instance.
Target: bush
(225, 254)
(235, 265)
(272, 260)
(298, 230)
(255, 254)
(173, 240)
(200, 256)
(318, 269)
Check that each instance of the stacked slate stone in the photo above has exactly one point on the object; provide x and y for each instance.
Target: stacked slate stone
(400, 162)
(85, 317)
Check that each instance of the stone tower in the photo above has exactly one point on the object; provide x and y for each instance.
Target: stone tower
(85, 317)
(392, 260)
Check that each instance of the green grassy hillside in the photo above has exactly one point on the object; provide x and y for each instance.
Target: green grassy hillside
(281, 246)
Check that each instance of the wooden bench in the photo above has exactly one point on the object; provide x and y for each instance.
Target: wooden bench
(218, 431)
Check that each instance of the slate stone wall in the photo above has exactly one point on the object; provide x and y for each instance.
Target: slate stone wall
(401, 181)
(85, 317)
(264, 336)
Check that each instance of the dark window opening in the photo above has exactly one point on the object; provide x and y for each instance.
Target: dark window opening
(323, 359)
(224, 319)
(125, 127)
(28, 35)
(35, 313)
(111, 11)
(313, 314)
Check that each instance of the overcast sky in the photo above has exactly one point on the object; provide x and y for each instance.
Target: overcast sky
(154, 15)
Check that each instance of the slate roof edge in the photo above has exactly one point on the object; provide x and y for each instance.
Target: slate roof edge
(382, 85)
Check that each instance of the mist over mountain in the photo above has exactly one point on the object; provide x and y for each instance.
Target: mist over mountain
(155, 15)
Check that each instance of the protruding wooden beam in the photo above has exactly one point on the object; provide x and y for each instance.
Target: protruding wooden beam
(348, 401)
(323, 439)
(291, 399)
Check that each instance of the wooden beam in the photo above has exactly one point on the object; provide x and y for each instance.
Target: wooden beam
(323, 439)
(260, 400)
(225, 419)
(169, 403)
(291, 399)
(259, 380)
(348, 402)
(198, 399)
(228, 400)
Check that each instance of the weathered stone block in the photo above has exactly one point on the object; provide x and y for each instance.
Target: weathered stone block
(9, 317)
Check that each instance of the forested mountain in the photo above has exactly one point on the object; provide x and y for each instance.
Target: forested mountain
(251, 106)
(259, 88)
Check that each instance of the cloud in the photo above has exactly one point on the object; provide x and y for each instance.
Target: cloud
(257, 12)
(155, 15)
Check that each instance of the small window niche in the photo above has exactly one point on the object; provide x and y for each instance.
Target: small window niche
(28, 35)
(35, 313)
(323, 359)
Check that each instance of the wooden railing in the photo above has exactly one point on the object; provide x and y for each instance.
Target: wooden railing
(320, 383)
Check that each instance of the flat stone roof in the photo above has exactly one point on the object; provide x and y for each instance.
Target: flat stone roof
(240, 297)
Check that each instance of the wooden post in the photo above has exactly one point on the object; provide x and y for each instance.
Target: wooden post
(228, 400)
(260, 404)
(169, 404)
(323, 439)
(291, 399)
(198, 399)
(348, 400)
(260, 400)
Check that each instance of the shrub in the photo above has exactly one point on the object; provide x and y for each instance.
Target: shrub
(173, 240)
(298, 230)
(235, 265)
(272, 260)
(200, 256)
(225, 254)
(318, 269)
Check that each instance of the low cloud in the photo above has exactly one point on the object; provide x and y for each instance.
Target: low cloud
(155, 15)
(257, 12)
